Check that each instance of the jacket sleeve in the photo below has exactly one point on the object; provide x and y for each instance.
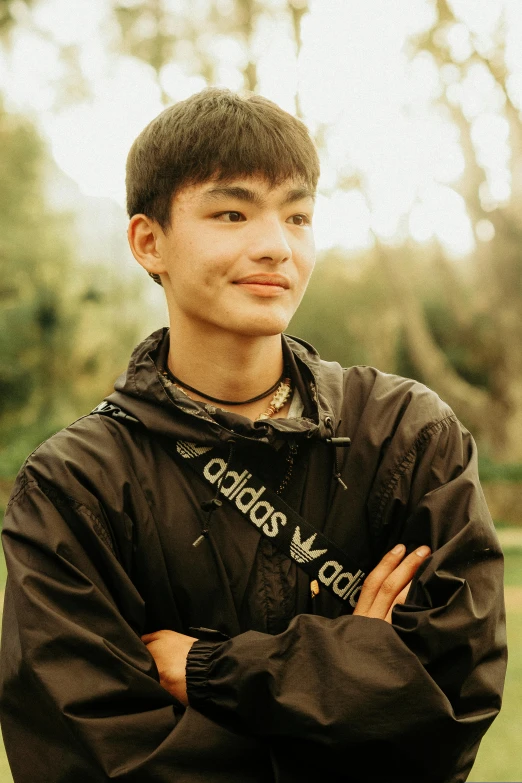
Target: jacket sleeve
(80, 693)
(406, 701)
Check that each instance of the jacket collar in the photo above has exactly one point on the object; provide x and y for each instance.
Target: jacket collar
(141, 392)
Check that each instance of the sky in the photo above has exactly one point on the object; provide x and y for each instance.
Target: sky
(354, 75)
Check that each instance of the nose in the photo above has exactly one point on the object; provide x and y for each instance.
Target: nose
(270, 241)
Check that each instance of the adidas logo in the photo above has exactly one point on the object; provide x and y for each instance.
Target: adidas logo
(234, 486)
(249, 500)
(343, 583)
(190, 450)
(302, 551)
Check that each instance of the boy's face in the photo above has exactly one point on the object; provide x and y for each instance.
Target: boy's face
(238, 255)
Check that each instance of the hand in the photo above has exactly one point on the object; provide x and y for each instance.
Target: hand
(169, 650)
(389, 582)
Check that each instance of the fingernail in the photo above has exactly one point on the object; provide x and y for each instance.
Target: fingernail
(422, 551)
(399, 549)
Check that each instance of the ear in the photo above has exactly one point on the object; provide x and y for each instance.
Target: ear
(144, 237)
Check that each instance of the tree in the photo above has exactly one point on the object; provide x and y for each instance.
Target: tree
(464, 344)
(8, 15)
(156, 33)
(54, 314)
(483, 308)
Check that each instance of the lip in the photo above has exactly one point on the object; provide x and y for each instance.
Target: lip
(268, 281)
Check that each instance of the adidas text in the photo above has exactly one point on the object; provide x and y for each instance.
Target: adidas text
(247, 499)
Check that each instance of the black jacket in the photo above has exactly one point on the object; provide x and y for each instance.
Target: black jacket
(98, 538)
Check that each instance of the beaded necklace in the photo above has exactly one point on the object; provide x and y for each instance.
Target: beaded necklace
(282, 387)
(280, 398)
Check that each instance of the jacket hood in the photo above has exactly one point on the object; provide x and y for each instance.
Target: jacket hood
(141, 392)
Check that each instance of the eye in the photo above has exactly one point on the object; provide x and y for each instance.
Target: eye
(230, 217)
(300, 220)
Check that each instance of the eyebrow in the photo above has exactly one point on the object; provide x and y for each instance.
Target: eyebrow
(251, 197)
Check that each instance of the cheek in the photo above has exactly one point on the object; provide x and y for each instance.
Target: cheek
(307, 265)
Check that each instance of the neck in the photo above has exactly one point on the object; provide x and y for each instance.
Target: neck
(224, 365)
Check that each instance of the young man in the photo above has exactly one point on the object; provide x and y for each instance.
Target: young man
(184, 599)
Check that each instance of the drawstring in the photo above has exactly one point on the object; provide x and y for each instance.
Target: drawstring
(211, 505)
(292, 452)
(336, 442)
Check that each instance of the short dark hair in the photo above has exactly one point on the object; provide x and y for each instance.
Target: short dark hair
(215, 133)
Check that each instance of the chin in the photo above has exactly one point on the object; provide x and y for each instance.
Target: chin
(260, 321)
(263, 327)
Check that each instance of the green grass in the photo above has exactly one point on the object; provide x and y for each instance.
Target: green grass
(513, 568)
(500, 757)
(5, 773)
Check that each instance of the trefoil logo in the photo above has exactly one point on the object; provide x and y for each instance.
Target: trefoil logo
(302, 551)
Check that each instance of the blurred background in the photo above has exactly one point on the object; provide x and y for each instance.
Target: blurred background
(415, 106)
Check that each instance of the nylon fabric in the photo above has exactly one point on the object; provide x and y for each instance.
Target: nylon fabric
(98, 539)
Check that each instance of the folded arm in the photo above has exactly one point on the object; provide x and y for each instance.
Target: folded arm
(408, 700)
(385, 587)
(80, 693)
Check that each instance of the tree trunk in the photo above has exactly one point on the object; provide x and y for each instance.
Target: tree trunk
(246, 14)
(297, 9)
(426, 355)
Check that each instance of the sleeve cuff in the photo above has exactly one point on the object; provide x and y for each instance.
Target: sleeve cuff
(199, 660)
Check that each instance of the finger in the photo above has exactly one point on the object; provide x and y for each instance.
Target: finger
(396, 582)
(152, 637)
(401, 599)
(375, 578)
(166, 634)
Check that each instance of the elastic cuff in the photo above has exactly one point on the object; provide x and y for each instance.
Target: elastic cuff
(198, 662)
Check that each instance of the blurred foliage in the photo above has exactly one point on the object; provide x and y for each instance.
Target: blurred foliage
(337, 314)
(513, 567)
(461, 322)
(510, 472)
(66, 330)
(152, 32)
(455, 325)
(62, 339)
(10, 11)
(405, 308)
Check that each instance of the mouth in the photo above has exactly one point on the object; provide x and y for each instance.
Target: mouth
(264, 284)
